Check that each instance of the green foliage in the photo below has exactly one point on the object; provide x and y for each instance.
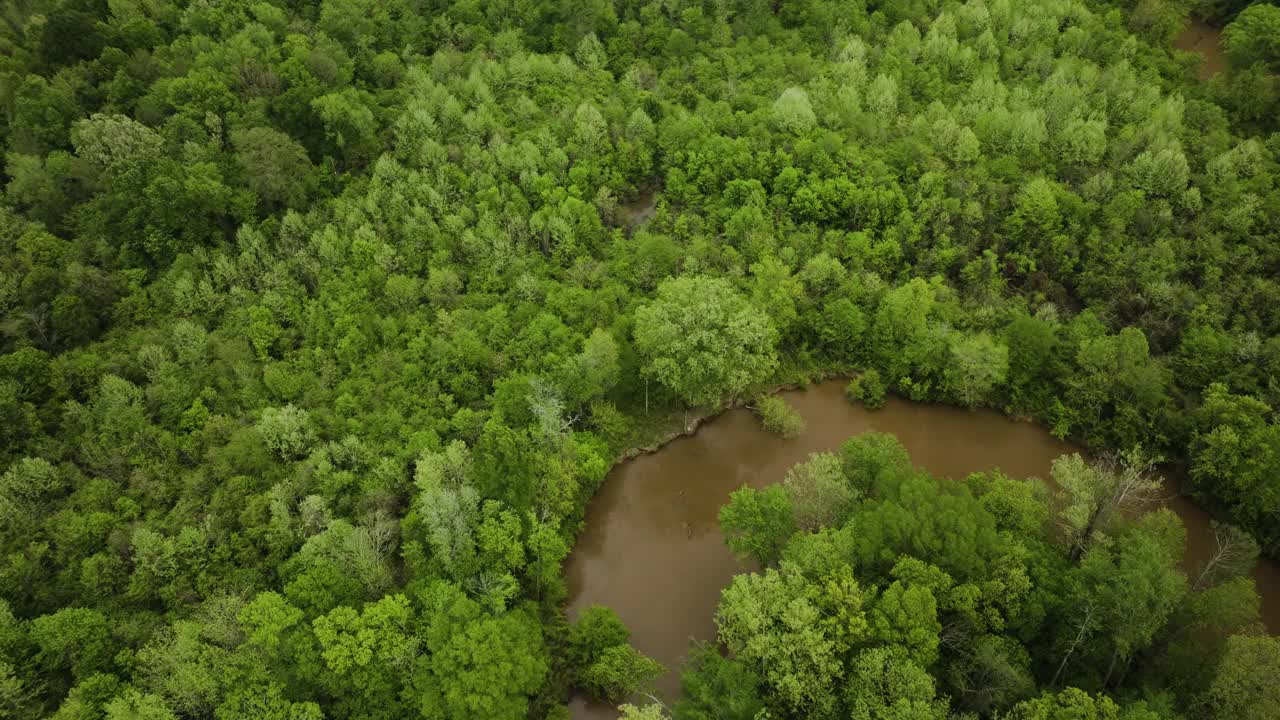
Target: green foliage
(1069, 703)
(779, 417)
(286, 430)
(1122, 597)
(908, 618)
(24, 488)
(868, 389)
(902, 339)
(792, 112)
(310, 311)
(597, 629)
(351, 639)
(276, 167)
(873, 461)
(1021, 506)
(1235, 451)
(758, 523)
(703, 341)
(1254, 37)
(133, 705)
(714, 686)
(1242, 686)
(885, 683)
(480, 665)
(1034, 364)
(620, 671)
(77, 640)
(768, 622)
(1093, 494)
(818, 492)
(642, 712)
(978, 365)
(927, 597)
(605, 665)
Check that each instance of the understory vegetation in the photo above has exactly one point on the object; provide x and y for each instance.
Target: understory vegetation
(320, 322)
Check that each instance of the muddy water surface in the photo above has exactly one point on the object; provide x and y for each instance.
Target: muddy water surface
(639, 211)
(1204, 39)
(652, 550)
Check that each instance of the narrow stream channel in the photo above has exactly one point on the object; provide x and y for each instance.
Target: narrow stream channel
(653, 552)
(1200, 37)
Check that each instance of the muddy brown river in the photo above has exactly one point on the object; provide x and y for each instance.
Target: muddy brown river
(652, 550)
(1200, 37)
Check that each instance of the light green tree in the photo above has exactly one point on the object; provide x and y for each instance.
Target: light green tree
(779, 417)
(652, 711)
(769, 622)
(349, 123)
(450, 507)
(592, 372)
(978, 364)
(1093, 494)
(590, 54)
(793, 113)
(1068, 703)
(901, 339)
(776, 291)
(356, 642)
(24, 485)
(116, 143)
(882, 97)
(486, 667)
(884, 683)
(907, 615)
(133, 705)
(872, 457)
(267, 618)
(286, 430)
(818, 492)
(704, 341)
(1163, 172)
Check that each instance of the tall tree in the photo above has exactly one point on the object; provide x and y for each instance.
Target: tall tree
(1093, 494)
(704, 341)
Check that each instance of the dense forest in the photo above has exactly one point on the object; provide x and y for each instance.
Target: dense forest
(321, 322)
(892, 594)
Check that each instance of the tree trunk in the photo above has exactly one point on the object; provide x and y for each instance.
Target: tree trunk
(1084, 626)
(1106, 682)
(1124, 671)
(1086, 535)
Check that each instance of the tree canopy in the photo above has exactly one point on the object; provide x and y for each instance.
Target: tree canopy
(321, 323)
(976, 603)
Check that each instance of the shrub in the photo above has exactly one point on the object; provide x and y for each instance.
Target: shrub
(867, 389)
(597, 629)
(779, 417)
(620, 671)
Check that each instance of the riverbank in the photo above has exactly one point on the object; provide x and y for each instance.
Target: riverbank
(689, 424)
(651, 547)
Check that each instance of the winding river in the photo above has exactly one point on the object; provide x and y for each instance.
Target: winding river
(652, 550)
